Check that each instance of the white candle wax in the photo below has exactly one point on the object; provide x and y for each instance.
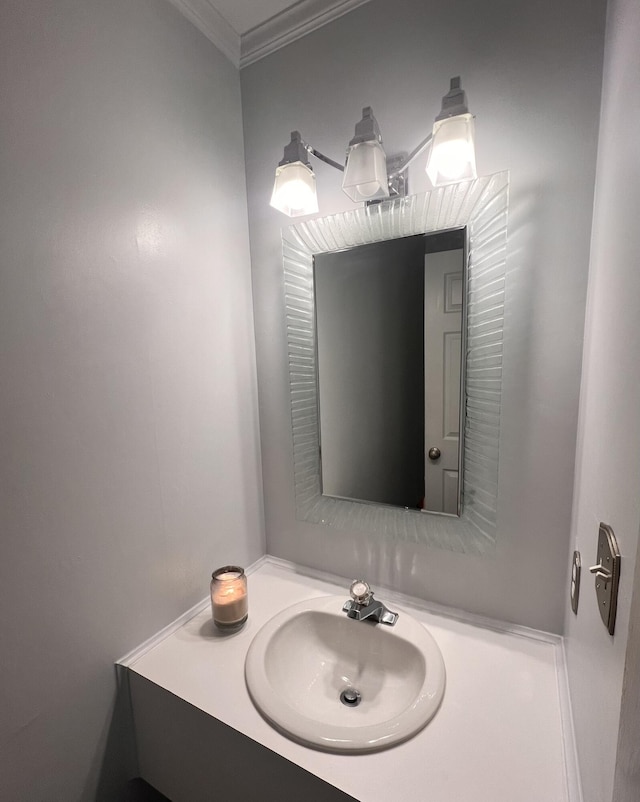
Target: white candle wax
(229, 598)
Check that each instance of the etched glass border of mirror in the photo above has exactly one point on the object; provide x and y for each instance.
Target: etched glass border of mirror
(479, 206)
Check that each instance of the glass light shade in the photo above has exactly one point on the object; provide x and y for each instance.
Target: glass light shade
(365, 175)
(294, 190)
(453, 155)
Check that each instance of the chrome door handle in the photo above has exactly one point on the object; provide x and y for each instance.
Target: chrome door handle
(434, 453)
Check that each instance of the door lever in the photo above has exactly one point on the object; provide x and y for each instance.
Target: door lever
(601, 571)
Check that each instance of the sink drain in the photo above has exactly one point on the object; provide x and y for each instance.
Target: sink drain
(350, 697)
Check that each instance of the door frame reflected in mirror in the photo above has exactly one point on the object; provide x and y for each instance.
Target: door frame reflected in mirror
(480, 206)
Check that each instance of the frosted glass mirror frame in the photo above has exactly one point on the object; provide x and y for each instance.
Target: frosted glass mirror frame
(480, 206)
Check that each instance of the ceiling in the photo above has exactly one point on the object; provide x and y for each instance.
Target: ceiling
(248, 30)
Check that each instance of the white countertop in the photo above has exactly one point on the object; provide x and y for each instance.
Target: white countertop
(498, 736)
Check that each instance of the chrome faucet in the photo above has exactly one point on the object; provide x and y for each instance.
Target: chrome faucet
(363, 607)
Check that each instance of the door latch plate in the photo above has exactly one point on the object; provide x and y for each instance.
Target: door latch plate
(607, 575)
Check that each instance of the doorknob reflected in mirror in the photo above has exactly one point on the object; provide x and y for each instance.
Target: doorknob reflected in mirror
(434, 453)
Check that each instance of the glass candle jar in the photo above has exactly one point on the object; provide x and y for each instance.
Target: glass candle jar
(229, 597)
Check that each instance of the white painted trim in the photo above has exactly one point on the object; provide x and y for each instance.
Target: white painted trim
(208, 20)
(300, 19)
(291, 24)
(131, 657)
(572, 766)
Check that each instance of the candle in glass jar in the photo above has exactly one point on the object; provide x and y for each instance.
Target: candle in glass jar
(229, 597)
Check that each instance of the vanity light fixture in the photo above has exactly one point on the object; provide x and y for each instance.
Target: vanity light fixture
(365, 172)
(294, 190)
(369, 176)
(453, 155)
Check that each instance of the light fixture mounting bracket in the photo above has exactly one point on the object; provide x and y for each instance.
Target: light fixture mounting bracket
(398, 179)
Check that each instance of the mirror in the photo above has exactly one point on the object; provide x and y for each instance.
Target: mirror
(479, 207)
(389, 326)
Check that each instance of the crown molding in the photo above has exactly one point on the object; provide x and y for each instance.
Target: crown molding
(291, 24)
(213, 25)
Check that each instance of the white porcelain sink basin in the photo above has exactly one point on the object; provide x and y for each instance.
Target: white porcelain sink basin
(301, 661)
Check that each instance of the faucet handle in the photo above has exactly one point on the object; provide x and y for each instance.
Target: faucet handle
(360, 592)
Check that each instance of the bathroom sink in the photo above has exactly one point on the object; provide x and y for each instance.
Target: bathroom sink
(341, 685)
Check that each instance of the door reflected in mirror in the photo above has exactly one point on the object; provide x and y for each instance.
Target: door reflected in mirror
(390, 323)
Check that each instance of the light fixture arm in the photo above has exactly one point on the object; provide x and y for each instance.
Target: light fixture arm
(297, 150)
(313, 152)
(412, 156)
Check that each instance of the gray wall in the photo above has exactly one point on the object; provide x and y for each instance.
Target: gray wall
(533, 76)
(129, 442)
(608, 455)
